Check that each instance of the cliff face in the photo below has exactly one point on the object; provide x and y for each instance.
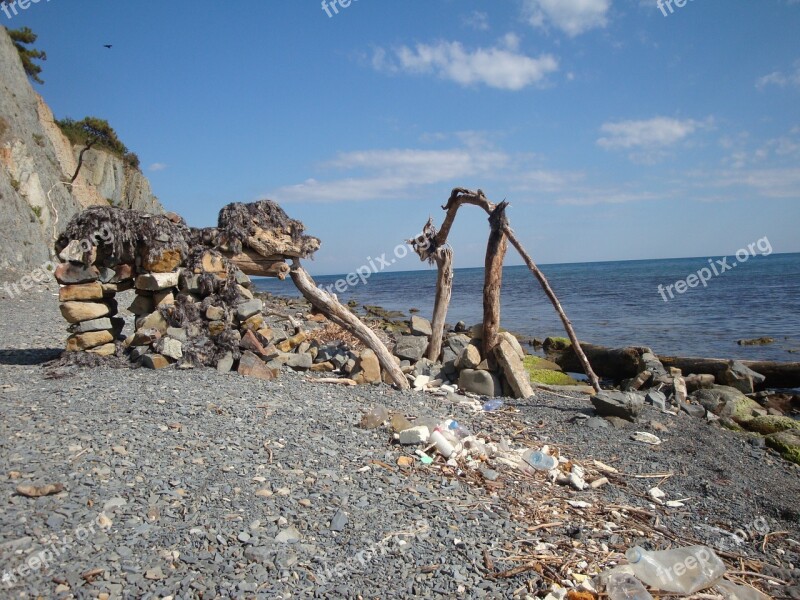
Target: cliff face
(35, 162)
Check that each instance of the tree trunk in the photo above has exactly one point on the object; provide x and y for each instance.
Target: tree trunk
(328, 305)
(444, 290)
(778, 374)
(253, 264)
(493, 280)
(80, 159)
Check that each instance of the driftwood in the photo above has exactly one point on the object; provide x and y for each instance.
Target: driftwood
(330, 306)
(253, 264)
(613, 363)
(461, 196)
(778, 374)
(493, 279)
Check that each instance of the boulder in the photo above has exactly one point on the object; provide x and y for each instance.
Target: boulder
(225, 364)
(298, 362)
(172, 348)
(515, 374)
(411, 347)
(104, 350)
(164, 261)
(728, 403)
(81, 291)
(469, 358)
(155, 320)
(155, 361)
(84, 341)
(420, 326)
(483, 383)
(75, 312)
(657, 399)
(247, 309)
(626, 405)
(768, 424)
(252, 366)
(73, 273)
(513, 342)
(740, 377)
(367, 369)
(425, 366)
(457, 343)
(154, 282)
(787, 443)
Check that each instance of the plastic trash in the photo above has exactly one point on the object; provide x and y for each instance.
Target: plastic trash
(457, 430)
(680, 570)
(375, 417)
(622, 586)
(400, 423)
(493, 405)
(443, 445)
(539, 460)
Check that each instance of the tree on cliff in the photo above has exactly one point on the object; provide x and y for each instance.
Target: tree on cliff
(25, 37)
(91, 132)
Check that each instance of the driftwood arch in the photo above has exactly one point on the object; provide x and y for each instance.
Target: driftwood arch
(432, 246)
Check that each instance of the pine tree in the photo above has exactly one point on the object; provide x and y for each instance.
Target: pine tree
(22, 38)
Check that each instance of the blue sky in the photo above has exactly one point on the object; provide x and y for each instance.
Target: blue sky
(615, 132)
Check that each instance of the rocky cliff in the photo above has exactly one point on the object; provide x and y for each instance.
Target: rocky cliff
(35, 162)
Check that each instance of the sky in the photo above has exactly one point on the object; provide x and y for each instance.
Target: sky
(616, 129)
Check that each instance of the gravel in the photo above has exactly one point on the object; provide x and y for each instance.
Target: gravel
(194, 484)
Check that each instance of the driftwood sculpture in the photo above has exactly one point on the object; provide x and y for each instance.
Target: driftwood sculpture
(432, 246)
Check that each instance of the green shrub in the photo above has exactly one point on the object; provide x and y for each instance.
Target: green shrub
(25, 37)
(15, 184)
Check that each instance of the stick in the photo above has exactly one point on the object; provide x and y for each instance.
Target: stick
(496, 250)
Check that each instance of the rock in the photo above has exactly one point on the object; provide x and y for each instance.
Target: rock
(728, 403)
(324, 367)
(787, 443)
(165, 261)
(513, 342)
(703, 381)
(254, 323)
(554, 344)
(762, 341)
(252, 366)
(155, 361)
(483, 383)
(460, 327)
(215, 313)
(177, 333)
(154, 320)
(290, 535)
(597, 423)
(420, 326)
(172, 348)
(247, 309)
(457, 343)
(298, 362)
(122, 272)
(740, 377)
(104, 350)
(293, 342)
(73, 273)
(251, 342)
(75, 312)
(420, 381)
(367, 369)
(627, 405)
(469, 358)
(225, 364)
(511, 364)
(766, 425)
(637, 382)
(190, 283)
(411, 347)
(693, 410)
(82, 291)
(339, 521)
(84, 341)
(142, 305)
(657, 399)
(213, 263)
(415, 436)
(154, 282)
(163, 298)
(103, 323)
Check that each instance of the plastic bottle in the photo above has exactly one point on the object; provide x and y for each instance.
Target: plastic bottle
(621, 586)
(458, 430)
(493, 405)
(540, 461)
(375, 417)
(680, 570)
(443, 445)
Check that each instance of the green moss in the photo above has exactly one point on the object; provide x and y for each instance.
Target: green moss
(37, 210)
(731, 424)
(3, 127)
(537, 362)
(549, 377)
(15, 184)
(787, 443)
(556, 343)
(771, 424)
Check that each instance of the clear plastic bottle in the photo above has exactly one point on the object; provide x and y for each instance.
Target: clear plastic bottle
(621, 586)
(680, 570)
(539, 460)
(493, 405)
(458, 430)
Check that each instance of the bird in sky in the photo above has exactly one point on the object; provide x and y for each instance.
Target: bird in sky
(107, 46)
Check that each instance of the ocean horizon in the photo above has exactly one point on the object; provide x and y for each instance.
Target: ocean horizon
(638, 302)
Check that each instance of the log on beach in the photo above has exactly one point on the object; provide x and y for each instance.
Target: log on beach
(778, 374)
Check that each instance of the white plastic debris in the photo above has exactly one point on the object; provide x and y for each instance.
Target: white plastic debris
(646, 438)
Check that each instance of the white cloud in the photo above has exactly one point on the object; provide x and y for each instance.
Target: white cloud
(477, 20)
(502, 66)
(781, 79)
(157, 167)
(573, 17)
(394, 173)
(656, 132)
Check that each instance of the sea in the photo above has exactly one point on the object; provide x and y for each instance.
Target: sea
(618, 304)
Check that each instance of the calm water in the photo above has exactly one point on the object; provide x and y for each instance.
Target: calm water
(618, 303)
